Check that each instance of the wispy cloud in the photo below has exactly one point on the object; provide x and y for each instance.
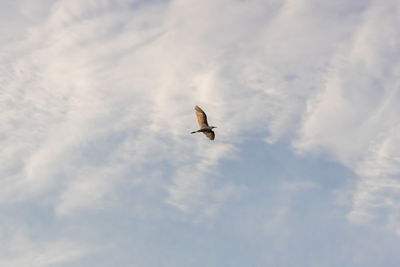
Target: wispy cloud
(19, 248)
(97, 98)
(352, 116)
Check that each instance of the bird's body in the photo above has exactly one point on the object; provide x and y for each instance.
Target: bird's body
(202, 120)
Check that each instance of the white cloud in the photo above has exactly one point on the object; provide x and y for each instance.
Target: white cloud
(353, 116)
(19, 248)
(110, 82)
(98, 95)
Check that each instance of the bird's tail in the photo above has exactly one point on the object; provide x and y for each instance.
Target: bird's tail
(193, 132)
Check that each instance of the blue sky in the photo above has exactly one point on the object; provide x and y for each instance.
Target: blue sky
(98, 166)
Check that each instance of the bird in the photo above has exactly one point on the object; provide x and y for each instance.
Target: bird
(202, 120)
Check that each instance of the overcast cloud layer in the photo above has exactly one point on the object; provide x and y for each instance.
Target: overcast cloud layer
(98, 167)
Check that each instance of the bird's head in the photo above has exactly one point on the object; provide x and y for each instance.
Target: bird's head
(212, 127)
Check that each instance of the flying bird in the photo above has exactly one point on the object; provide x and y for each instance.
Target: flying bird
(202, 120)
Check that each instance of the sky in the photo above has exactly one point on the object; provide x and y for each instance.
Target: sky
(98, 166)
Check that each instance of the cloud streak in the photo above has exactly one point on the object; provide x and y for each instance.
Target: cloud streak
(97, 100)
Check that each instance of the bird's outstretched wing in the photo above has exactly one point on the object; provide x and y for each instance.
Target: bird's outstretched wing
(201, 117)
(210, 135)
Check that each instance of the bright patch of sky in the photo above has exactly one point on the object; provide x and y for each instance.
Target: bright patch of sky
(98, 167)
